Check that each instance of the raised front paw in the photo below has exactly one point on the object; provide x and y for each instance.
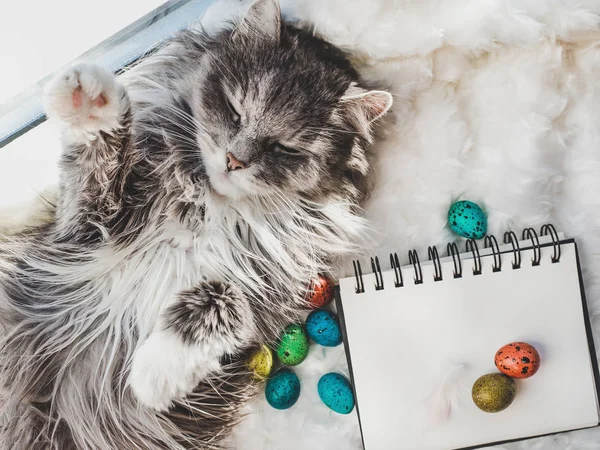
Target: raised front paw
(86, 97)
(165, 369)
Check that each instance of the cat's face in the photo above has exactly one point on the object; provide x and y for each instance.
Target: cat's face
(280, 110)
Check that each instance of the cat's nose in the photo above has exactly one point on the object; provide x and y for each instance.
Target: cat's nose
(233, 163)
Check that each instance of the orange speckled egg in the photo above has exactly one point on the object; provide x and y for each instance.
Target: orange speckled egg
(518, 360)
(321, 292)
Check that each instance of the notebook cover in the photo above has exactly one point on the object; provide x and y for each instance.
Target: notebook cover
(588, 330)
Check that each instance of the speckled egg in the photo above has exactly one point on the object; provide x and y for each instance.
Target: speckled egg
(261, 363)
(293, 345)
(518, 360)
(282, 389)
(494, 392)
(321, 292)
(467, 219)
(335, 391)
(323, 327)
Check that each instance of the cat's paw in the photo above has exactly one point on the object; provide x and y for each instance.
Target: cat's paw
(86, 97)
(165, 369)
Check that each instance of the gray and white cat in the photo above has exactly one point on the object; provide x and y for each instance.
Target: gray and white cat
(198, 197)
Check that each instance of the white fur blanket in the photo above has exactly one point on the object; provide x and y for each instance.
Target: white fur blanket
(495, 100)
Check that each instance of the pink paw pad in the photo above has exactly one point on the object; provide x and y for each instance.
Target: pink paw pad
(77, 98)
(99, 101)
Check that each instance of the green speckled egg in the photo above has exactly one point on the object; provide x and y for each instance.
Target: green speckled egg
(293, 345)
(282, 389)
(335, 391)
(494, 392)
(467, 219)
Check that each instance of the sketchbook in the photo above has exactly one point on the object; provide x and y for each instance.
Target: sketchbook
(412, 331)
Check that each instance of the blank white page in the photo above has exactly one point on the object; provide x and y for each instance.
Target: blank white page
(401, 340)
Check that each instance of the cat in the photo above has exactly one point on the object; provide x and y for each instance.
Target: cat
(199, 195)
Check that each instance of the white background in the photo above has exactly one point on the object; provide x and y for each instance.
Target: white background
(37, 38)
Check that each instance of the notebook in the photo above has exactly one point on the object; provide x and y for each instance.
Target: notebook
(418, 336)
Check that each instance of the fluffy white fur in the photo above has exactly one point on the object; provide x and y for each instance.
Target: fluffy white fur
(159, 358)
(496, 101)
(165, 368)
(85, 99)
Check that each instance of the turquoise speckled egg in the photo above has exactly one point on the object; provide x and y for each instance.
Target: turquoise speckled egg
(467, 219)
(282, 389)
(323, 327)
(335, 391)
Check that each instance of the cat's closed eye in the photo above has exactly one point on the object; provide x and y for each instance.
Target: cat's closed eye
(280, 148)
(235, 116)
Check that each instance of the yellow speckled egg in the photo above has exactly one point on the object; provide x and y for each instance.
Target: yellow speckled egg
(261, 363)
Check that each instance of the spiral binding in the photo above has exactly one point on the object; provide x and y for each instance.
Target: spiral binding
(511, 237)
(490, 241)
(549, 229)
(529, 233)
(360, 285)
(437, 265)
(378, 275)
(472, 246)
(452, 249)
(413, 258)
(395, 263)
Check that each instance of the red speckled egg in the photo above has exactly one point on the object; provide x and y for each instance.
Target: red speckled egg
(321, 292)
(518, 360)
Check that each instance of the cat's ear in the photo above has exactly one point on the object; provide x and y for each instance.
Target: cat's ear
(365, 107)
(262, 22)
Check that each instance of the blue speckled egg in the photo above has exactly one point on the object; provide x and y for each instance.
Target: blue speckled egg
(282, 389)
(323, 327)
(335, 391)
(467, 219)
